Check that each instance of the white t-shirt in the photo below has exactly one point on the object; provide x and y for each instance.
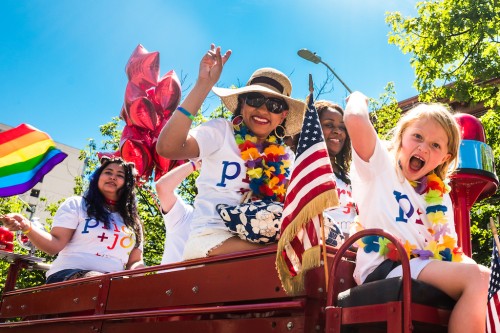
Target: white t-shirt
(92, 247)
(345, 213)
(386, 202)
(222, 177)
(177, 231)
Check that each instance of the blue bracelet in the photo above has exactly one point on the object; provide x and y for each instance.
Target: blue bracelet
(185, 112)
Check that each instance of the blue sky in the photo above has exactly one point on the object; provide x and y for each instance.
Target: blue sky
(62, 62)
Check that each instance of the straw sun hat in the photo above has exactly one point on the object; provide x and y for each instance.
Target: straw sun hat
(273, 83)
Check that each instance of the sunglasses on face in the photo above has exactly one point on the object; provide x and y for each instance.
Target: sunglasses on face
(273, 105)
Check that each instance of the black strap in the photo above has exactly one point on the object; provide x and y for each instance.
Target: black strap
(382, 270)
(269, 81)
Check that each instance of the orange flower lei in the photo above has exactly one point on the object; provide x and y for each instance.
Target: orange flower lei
(267, 164)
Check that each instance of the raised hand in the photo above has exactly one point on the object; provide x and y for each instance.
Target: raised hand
(212, 63)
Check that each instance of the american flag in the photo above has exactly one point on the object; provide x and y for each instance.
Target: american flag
(311, 190)
(493, 322)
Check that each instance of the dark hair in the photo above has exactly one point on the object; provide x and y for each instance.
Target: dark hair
(126, 205)
(344, 157)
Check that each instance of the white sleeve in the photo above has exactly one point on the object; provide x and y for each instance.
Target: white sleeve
(210, 136)
(176, 216)
(69, 213)
(380, 160)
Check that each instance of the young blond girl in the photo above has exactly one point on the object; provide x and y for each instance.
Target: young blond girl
(401, 187)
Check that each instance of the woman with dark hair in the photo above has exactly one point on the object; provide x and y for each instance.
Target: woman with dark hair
(341, 218)
(94, 234)
(331, 117)
(243, 159)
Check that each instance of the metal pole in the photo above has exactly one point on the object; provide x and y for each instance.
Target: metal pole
(314, 58)
(338, 78)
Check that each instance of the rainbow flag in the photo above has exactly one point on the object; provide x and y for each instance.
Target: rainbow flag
(26, 155)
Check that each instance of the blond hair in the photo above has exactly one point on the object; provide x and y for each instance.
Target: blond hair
(441, 113)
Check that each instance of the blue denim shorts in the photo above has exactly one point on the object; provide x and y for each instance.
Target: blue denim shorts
(63, 275)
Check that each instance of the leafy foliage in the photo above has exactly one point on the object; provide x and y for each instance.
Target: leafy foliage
(387, 111)
(452, 41)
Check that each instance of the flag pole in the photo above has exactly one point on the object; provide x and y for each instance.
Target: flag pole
(323, 248)
(321, 221)
(495, 233)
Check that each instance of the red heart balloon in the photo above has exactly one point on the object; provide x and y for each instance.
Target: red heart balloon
(135, 146)
(124, 115)
(133, 92)
(143, 67)
(159, 110)
(162, 164)
(175, 163)
(159, 172)
(142, 113)
(168, 92)
(156, 133)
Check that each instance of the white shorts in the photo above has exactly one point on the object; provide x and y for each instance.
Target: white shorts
(200, 244)
(416, 266)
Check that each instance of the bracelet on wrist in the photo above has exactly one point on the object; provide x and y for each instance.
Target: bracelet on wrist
(25, 232)
(193, 165)
(185, 112)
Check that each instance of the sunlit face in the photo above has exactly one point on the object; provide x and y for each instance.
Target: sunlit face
(334, 130)
(111, 180)
(260, 121)
(424, 146)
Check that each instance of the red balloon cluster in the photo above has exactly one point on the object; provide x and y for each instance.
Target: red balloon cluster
(149, 103)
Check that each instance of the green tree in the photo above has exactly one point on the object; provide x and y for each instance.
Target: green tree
(455, 49)
(452, 42)
(387, 112)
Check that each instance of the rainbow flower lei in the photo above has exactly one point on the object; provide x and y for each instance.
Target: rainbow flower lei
(442, 246)
(267, 164)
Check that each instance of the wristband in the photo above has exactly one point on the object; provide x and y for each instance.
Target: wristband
(25, 232)
(185, 112)
(193, 165)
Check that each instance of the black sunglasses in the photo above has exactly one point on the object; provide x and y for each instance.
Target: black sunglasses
(273, 105)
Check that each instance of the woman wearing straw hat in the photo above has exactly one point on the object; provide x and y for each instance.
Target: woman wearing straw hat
(242, 158)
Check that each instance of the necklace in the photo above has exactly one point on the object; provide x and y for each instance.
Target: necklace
(110, 202)
(267, 163)
(442, 246)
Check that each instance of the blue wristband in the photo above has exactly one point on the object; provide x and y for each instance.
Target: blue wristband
(185, 112)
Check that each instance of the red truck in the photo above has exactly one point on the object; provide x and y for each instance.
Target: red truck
(241, 292)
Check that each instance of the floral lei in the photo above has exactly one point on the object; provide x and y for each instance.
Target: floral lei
(267, 164)
(442, 246)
